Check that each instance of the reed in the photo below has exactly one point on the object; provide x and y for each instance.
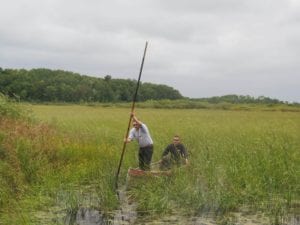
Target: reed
(238, 159)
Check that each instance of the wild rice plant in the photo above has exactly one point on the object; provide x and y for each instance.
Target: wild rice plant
(237, 159)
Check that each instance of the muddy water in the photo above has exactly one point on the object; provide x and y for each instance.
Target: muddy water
(87, 214)
(84, 210)
(127, 213)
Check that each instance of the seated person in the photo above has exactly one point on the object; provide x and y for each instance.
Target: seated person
(178, 155)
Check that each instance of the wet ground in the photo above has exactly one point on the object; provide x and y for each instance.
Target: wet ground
(88, 214)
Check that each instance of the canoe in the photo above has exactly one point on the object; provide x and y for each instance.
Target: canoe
(141, 173)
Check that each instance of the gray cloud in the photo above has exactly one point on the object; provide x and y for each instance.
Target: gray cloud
(201, 48)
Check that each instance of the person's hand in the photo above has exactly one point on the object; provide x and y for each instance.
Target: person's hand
(187, 163)
(132, 114)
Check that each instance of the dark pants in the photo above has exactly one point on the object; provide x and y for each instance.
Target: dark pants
(145, 156)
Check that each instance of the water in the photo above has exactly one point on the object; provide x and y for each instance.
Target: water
(87, 213)
(127, 215)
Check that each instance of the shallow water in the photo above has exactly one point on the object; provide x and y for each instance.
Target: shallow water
(94, 218)
(88, 214)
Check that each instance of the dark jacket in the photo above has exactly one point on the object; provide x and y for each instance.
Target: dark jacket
(177, 152)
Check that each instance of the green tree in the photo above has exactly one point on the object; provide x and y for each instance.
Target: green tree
(58, 85)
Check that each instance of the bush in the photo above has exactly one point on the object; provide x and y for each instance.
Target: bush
(9, 108)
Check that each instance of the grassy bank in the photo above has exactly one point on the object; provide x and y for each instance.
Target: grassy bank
(200, 104)
(43, 168)
(238, 159)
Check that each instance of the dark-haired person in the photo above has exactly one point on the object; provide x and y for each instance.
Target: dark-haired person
(140, 132)
(174, 154)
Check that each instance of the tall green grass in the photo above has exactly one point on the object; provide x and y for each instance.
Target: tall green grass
(11, 109)
(238, 159)
(199, 104)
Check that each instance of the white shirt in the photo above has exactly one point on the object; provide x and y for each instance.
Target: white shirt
(142, 135)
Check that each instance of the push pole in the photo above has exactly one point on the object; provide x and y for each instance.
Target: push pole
(132, 109)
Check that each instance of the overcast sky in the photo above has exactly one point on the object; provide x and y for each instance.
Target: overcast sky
(202, 48)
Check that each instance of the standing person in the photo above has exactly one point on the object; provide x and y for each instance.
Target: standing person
(141, 133)
(178, 154)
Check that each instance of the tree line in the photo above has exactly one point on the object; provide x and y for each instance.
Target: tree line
(240, 99)
(45, 85)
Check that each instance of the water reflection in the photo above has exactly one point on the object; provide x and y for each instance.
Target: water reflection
(86, 213)
(91, 216)
(86, 216)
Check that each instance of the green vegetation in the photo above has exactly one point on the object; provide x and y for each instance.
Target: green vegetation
(197, 104)
(42, 167)
(222, 105)
(238, 99)
(9, 108)
(238, 159)
(45, 85)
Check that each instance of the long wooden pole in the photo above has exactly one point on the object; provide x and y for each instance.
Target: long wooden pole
(132, 110)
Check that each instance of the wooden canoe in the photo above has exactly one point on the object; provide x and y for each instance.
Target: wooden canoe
(141, 173)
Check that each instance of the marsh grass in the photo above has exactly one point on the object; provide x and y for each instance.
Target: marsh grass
(237, 159)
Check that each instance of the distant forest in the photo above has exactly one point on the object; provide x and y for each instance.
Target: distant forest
(237, 99)
(45, 85)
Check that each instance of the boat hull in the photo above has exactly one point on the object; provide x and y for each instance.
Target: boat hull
(143, 173)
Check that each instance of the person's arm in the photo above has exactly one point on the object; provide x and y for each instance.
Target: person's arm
(127, 140)
(185, 154)
(130, 136)
(136, 119)
(166, 151)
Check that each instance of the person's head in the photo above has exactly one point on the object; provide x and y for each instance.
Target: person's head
(176, 139)
(135, 125)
